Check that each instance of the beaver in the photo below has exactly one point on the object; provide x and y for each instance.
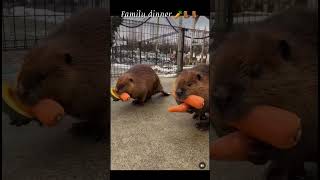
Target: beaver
(194, 81)
(272, 63)
(140, 82)
(71, 67)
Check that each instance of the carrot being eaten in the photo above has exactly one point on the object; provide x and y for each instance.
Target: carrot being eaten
(48, 112)
(194, 101)
(124, 96)
(183, 107)
(271, 125)
(191, 101)
(232, 147)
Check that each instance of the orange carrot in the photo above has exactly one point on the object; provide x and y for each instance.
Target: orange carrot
(48, 112)
(124, 96)
(179, 108)
(272, 125)
(195, 101)
(233, 147)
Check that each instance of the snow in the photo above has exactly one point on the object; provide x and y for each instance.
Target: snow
(203, 22)
(125, 66)
(162, 71)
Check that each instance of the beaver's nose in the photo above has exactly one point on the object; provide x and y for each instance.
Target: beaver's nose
(221, 96)
(180, 92)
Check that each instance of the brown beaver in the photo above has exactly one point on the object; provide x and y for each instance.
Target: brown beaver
(195, 81)
(140, 82)
(273, 63)
(71, 67)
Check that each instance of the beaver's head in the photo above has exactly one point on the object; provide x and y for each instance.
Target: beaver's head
(252, 68)
(125, 83)
(191, 82)
(46, 73)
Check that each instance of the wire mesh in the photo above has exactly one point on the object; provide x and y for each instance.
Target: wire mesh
(24, 22)
(143, 42)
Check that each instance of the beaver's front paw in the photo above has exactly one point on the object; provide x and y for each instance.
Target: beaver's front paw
(137, 102)
(261, 153)
(202, 125)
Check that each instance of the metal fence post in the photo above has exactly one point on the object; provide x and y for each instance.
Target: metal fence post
(180, 51)
(220, 23)
(120, 54)
(203, 60)
(140, 52)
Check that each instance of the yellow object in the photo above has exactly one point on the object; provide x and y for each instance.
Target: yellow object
(177, 15)
(9, 97)
(114, 94)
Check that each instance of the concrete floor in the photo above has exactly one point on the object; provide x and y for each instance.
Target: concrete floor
(150, 138)
(32, 152)
(227, 170)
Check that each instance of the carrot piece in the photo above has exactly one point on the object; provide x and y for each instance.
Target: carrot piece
(124, 96)
(195, 101)
(272, 125)
(179, 108)
(232, 147)
(48, 112)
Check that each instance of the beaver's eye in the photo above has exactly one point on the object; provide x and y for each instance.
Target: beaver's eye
(131, 80)
(190, 84)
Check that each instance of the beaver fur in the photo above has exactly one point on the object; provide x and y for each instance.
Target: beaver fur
(195, 81)
(140, 82)
(273, 63)
(71, 67)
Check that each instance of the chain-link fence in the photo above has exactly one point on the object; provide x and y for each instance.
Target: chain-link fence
(155, 43)
(228, 15)
(24, 22)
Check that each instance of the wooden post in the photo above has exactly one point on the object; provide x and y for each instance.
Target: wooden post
(180, 51)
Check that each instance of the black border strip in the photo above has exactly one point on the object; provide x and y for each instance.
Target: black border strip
(163, 175)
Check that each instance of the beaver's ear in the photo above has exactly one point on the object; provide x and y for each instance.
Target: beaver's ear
(67, 58)
(199, 77)
(284, 49)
